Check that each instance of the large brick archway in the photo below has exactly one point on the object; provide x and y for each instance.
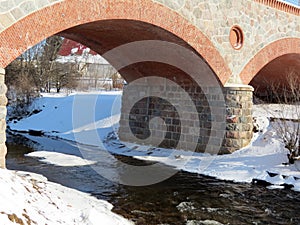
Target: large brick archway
(67, 14)
(125, 21)
(282, 48)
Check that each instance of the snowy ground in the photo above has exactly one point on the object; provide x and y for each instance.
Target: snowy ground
(263, 159)
(31, 199)
(28, 198)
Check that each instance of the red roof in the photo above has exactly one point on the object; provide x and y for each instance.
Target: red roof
(68, 45)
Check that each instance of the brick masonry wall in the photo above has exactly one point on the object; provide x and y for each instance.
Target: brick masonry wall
(187, 123)
(12, 11)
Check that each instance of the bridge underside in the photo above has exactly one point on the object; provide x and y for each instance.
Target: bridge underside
(278, 76)
(105, 35)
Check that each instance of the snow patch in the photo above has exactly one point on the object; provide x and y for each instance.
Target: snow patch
(60, 159)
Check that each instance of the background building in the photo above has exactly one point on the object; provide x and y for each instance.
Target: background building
(95, 72)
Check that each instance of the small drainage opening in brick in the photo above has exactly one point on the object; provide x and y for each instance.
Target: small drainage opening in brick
(236, 37)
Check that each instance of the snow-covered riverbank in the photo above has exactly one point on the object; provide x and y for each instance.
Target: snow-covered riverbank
(30, 199)
(262, 159)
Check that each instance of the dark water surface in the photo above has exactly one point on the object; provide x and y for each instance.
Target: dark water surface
(185, 198)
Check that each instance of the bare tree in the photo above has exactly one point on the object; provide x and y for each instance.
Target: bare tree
(66, 76)
(286, 118)
(38, 69)
(46, 62)
(21, 77)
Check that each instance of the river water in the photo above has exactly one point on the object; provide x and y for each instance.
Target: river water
(185, 198)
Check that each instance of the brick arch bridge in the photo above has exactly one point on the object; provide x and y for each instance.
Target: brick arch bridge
(272, 65)
(234, 41)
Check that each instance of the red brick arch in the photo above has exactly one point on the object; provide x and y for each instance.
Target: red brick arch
(69, 13)
(267, 54)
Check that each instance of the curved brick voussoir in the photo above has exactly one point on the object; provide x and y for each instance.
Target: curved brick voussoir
(274, 50)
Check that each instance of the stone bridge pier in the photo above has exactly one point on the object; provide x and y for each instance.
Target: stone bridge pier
(204, 121)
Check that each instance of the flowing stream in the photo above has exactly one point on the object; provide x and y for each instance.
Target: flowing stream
(185, 198)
